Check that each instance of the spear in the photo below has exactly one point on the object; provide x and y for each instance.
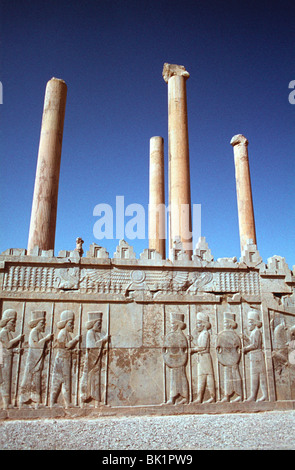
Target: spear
(79, 352)
(243, 355)
(164, 364)
(19, 357)
(49, 358)
(107, 356)
(218, 369)
(190, 356)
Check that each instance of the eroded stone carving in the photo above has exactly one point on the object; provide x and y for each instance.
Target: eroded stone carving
(8, 345)
(173, 69)
(62, 370)
(175, 355)
(124, 251)
(228, 349)
(67, 278)
(95, 343)
(257, 361)
(92, 373)
(201, 347)
(79, 246)
(31, 387)
(202, 254)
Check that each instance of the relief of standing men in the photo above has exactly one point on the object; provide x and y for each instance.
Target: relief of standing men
(62, 370)
(90, 388)
(8, 344)
(257, 363)
(228, 350)
(31, 387)
(205, 371)
(175, 354)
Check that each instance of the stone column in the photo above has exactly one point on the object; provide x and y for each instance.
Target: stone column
(180, 224)
(157, 211)
(44, 207)
(244, 192)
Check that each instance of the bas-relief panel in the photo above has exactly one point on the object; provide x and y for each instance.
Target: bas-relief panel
(282, 327)
(67, 354)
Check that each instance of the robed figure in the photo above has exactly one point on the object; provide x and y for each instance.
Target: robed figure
(90, 387)
(175, 354)
(31, 387)
(8, 344)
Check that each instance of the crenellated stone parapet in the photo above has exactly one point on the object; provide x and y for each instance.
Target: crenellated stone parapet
(112, 323)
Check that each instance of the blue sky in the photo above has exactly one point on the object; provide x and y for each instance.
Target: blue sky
(240, 55)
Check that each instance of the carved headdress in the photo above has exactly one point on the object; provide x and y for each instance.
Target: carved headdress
(8, 315)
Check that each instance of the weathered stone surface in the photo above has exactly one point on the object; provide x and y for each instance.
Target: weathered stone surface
(244, 190)
(157, 209)
(44, 207)
(86, 335)
(180, 224)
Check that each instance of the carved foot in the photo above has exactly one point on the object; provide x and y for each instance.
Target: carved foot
(225, 400)
(262, 398)
(250, 399)
(211, 400)
(170, 402)
(236, 400)
(184, 401)
(197, 400)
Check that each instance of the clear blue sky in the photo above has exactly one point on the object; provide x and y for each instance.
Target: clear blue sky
(240, 55)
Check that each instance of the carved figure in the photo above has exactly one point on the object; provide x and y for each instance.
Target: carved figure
(175, 354)
(91, 380)
(280, 345)
(31, 389)
(205, 367)
(228, 349)
(291, 346)
(9, 342)
(62, 370)
(79, 246)
(257, 363)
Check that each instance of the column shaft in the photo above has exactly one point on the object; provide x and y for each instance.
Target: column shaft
(180, 224)
(244, 191)
(157, 213)
(44, 207)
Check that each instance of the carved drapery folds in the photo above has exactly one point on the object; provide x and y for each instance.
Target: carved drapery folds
(93, 333)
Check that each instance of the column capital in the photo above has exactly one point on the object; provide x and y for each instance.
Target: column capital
(239, 139)
(169, 70)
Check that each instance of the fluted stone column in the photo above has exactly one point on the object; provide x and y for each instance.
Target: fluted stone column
(180, 224)
(44, 207)
(157, 212)
(244, 191)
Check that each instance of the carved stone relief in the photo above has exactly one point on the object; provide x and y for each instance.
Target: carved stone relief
(86, 334)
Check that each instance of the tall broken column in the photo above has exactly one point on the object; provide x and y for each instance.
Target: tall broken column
(180, 223)
(44, 207)
(157, 213)
(244, 191)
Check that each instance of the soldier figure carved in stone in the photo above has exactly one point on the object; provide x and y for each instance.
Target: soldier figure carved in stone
(31, 388)
(9, 342)
(175, 354)
(228, 350)
(205, 367)
(95, 342)
(62, 370)
(257, 363)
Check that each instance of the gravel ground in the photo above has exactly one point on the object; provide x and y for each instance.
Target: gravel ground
(261, 431)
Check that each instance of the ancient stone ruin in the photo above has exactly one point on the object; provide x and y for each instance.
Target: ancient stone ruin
(88, 334)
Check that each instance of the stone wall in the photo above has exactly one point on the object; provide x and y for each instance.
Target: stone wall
(93, 335)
